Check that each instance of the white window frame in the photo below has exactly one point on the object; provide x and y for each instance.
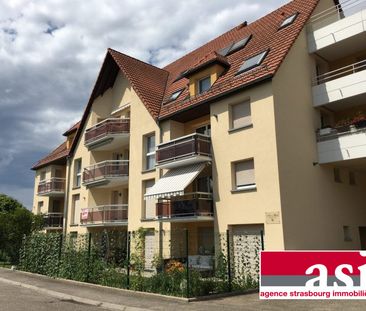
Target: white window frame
(77, 173)
(231, 117)
(151, 153)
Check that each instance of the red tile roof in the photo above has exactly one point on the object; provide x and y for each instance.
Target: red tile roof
(58, 154)
(154, 85)
(72, 129)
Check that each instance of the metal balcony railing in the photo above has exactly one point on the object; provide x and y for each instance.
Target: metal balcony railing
(106, 127)
(336, 12)
(104, 214)
(190, 205)
(339, 73)
(51, 185)
(53, 220)
(190, 145)
(105, 169)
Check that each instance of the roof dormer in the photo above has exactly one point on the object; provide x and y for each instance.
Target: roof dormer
(205, 72)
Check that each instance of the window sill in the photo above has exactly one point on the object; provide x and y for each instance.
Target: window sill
(237, 129)
(147, 219)
(245, 189)
(74, 225)
(148, 171)
(76, 188)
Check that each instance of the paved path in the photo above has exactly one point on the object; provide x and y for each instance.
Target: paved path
(23, 291)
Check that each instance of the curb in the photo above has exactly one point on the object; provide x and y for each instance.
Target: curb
(86, 301)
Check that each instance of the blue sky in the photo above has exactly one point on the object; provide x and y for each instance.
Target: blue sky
(51, 51)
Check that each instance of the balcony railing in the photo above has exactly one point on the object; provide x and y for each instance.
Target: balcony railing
(197, 204)
(53, 220)
(105, 128)
(339, 73)
(105, 214)
(51, 185)
(187, 146)
(336, 12)
(105, 170)
(337, 132)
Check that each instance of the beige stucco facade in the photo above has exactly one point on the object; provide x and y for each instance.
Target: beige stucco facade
(295, 202)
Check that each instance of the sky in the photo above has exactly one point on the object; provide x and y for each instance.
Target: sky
(51, 52)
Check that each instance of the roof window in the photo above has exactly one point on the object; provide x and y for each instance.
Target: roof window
(252, 62)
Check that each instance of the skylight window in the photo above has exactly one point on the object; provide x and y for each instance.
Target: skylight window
(175, 95)
(289, 20)
(252, 62)
(236, 46)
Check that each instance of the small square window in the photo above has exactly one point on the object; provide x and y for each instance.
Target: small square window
(252, 62)
(240, 115)
(289, 20)
(244, 175)
(204, 85)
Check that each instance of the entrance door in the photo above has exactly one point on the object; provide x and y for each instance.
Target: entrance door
(149, 249)
(362, 231)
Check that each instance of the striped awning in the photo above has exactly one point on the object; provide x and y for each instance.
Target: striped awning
(175, 181)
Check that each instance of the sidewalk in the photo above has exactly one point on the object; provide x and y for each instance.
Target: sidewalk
(115, 299)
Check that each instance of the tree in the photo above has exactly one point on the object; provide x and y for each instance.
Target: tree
(15, 222)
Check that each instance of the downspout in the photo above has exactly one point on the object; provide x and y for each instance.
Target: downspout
(67, 190)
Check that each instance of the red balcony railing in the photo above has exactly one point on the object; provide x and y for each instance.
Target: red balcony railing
(105, 169)
(104, 214)
(53, 220)
(51, 185)
(105, 128)
(187, 146)
(190, 205)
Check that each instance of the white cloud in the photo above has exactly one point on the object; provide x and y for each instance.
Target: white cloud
(51, 51)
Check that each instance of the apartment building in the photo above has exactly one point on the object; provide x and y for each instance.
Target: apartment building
(260, 129)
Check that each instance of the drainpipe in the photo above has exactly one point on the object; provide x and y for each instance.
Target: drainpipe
(67, 190)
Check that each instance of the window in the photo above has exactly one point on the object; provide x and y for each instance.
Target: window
(75, 209)
(240, 115)
(347, 234)
(337, 175)
(244, 175)
(77, 173)
(289, 20)
(236, 46)
(204, 85)
(175, 95)
(252, 62)
(150, 208)
(42, 176)
(205, 130)
(39, 207)
(73, 236)
(150, 152)
(352, 179)
(206, 240)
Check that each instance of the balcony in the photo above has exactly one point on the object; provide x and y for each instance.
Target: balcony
(338, 31)
(341, 88)
(342, 143)
(106, 174)
(52, 187)
(53, 221)
(190, 149)
(195, 206)
(108, 135)
(106, 215)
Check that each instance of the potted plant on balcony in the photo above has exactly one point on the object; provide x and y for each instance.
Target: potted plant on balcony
(359, 121)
